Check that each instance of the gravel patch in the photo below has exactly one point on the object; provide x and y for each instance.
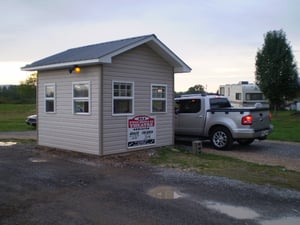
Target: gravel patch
(19, 135)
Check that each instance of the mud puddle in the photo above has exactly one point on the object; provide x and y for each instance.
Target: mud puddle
(237, 212)
(8, 143)
(240, 212)
(165, 192)
(37, 160)
(281, 221)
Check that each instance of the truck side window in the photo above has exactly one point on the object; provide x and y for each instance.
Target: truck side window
(188, 106)
(217, 103)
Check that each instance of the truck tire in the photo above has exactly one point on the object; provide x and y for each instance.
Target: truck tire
(221, 138)
(245, 141)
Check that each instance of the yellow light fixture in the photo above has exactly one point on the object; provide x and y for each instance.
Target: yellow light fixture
(76, 69)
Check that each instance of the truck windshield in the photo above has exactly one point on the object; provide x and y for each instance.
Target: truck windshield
(217, 103)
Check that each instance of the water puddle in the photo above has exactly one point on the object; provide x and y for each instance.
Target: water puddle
(237, 212)
(37, 160)
(281, 221)
(165, 192)
(9, 143)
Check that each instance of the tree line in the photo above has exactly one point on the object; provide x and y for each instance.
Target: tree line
(25, 93)
(196, 89)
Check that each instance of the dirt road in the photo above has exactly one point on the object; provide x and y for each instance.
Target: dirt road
(48, 187)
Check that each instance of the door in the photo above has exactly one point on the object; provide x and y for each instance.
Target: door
(189, 117)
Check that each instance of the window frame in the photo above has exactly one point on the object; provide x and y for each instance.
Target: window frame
(81, 99)
(50, 98)
(159, 99)
(130, 98)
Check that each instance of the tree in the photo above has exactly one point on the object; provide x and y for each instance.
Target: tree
(31, 80)
(197, 89)
(276, 70)
(27, 89)
(23, 93)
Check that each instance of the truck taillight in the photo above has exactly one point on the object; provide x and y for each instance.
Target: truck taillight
(247, 120)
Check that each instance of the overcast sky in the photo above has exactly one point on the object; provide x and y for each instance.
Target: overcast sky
(218, 39)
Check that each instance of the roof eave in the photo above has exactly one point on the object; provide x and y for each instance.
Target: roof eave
(63, 65)
(182, 69)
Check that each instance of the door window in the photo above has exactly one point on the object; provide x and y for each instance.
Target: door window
(188, 106)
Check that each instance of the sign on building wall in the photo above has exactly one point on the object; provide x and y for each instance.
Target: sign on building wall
(141, 131)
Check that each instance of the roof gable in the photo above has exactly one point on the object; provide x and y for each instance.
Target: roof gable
(104, 52)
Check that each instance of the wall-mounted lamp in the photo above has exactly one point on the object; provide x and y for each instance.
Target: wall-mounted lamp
(76, 69)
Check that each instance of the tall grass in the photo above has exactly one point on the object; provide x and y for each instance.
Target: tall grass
(12, 116)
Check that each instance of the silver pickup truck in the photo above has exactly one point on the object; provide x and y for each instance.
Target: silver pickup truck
(212, 117)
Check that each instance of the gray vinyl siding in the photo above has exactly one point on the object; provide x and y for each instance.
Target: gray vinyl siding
(144, 67)
(63, 129)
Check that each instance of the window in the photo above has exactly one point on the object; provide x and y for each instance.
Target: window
(238, 96)
(218, 103)
(50, 98)
(222, 90)
(254, 96)
(122, 98)
(188, 106)
(81, 97)
(158, 98)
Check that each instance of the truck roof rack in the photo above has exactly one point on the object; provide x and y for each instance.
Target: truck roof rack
(191, 95)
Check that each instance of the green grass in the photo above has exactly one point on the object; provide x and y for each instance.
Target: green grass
(217, 165)
(12, 116)
(286, 126)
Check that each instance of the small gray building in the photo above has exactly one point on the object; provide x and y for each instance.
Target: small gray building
(107, 98)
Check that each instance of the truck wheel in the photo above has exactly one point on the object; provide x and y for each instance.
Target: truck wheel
(245, 141)
(221, 138)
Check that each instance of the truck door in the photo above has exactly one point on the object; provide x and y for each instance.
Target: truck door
(189, 118)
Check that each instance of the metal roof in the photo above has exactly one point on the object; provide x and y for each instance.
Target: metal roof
(103, 53)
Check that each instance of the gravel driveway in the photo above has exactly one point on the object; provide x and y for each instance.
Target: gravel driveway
(53, 187)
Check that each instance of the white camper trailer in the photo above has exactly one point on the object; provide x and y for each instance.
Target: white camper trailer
(243, 94)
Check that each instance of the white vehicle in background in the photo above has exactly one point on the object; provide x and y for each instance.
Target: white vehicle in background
(31, 120)
(243, 94)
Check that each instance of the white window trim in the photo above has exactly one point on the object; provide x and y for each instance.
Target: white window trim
(83, 99)
(50, 98)
(122, 97)
(164, 99)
